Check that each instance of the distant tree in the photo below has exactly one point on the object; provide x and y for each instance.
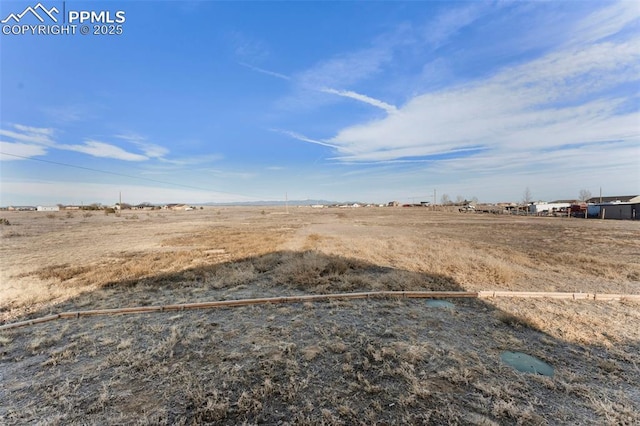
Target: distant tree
(474, 200)
(527, 198)
(460, 200)
(584, 195)
(445, 200)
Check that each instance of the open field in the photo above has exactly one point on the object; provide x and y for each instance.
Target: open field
(340, 362)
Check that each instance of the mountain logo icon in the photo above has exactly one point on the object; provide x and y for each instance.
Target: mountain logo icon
(43, 11)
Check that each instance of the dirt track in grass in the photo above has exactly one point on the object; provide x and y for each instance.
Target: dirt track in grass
(367, 361)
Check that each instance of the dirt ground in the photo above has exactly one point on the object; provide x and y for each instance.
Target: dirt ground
(392, 361)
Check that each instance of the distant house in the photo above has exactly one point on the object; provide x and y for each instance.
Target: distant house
(564, 201)
(48, 208)
(143, 207)
(551, 207)
(21, 208)
(625, 207)
(177, 207)
(633, 199)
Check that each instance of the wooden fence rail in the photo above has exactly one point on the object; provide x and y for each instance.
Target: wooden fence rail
(325, 297)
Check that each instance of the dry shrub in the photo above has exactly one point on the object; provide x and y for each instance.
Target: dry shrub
(316, 272)
(233, 274)
(516, 321)
(596, 265)
(266, 262)
(62, 272)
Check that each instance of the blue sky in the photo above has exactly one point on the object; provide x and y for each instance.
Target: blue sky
(372, 101)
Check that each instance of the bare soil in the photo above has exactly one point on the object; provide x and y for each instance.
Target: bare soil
(393, 361)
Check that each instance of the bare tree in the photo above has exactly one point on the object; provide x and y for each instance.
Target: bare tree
(445, 200)
(527, 198)
(474, 200)
(460, 200)
(584, 195)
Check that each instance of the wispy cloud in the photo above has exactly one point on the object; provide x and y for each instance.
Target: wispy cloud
(605, 22)
(303, 138)
(37, 135)
(446, 25)
(103, 150)
(18, 151)
(31, 141)
(247, 47)
(25, 142)
(149, 149)
(267, 72)
(546, 102)
(65, 114)
(344, 70)
(178, 162)
(362, 98)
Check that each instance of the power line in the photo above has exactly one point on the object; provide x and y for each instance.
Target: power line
(123, 175)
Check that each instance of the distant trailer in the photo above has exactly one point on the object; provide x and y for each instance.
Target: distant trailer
(48, 208)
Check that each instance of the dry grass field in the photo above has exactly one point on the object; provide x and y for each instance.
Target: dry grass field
(369, 361)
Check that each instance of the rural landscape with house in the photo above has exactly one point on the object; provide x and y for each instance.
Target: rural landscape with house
(319, 213)
(386, 357)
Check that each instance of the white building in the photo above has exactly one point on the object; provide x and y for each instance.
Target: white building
(542, 207)
(48, 208)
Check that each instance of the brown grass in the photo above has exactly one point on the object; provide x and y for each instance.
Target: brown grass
(340, 362)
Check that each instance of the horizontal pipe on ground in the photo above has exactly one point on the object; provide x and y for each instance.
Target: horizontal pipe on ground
(326, 297)
(556, 295)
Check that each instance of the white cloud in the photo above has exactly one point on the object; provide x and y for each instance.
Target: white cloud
(346, 69)
(103, 150)
(191, 161)
(37, 135)
(149, 149)
(605, 22)
(363, 98)
(28, 139)
(447, 24)
(342, 70)
(19, 151)
(548, 102)
(303, 138)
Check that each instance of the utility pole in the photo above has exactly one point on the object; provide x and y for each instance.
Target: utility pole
(286, 202)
